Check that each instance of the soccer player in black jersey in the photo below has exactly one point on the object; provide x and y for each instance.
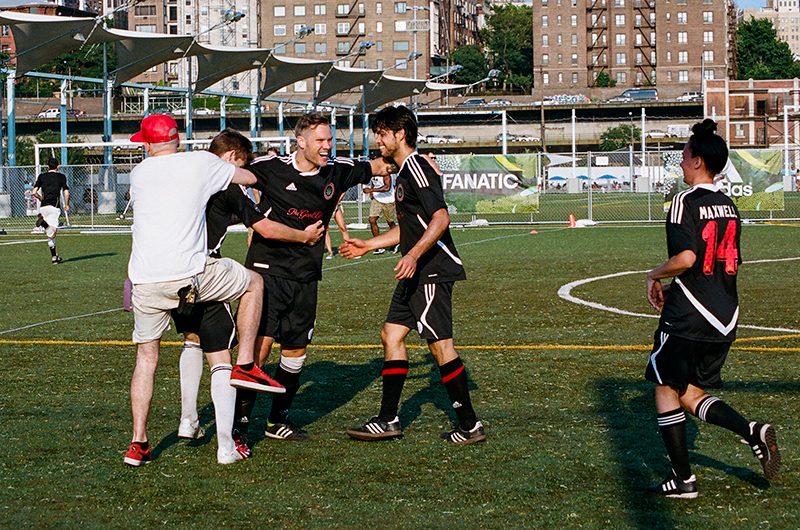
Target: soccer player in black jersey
(699, 313)
(210, 327)
(48, 189)
(297, 190)
(427, 271)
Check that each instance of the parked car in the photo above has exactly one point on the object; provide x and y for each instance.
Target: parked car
(619, 99)
(204, 111)
(499, 102)
(528, 138)
(690, 96)
(443, 139)
(56, 113)
(472, 102)
(656, 133)
(421, 139)
(509, 138)
(635, 94)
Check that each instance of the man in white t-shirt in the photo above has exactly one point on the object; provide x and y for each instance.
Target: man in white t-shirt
(169, 266)
(381, 191)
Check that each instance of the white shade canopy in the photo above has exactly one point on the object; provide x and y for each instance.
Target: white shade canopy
(41, 38)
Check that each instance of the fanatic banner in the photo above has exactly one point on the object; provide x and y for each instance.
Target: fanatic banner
(490, 183)
(752, 179)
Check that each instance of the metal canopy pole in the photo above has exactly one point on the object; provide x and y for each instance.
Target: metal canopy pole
(12, 125)
(63, 121)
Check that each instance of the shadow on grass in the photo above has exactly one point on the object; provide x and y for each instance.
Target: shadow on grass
(628, 411)
(434, 393)
(89, 256)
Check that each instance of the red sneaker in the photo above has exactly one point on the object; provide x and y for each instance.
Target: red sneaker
(255, 379)
(137, 455)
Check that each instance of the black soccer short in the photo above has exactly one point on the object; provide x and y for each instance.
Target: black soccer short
(426, 307)
(212, 322)
(289, 311)
(679, 362)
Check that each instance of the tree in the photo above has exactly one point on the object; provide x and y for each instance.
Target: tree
(761, 55)
(25, 148)
(473, 62)
(604, 80)
(87, 62)
(509, 40)
(615, 138)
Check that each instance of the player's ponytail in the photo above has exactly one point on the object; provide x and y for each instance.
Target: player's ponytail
(709, 146)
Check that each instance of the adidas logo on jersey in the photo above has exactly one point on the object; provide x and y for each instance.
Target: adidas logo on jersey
(291, 187)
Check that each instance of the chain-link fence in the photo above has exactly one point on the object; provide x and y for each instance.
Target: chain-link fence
(620, 189)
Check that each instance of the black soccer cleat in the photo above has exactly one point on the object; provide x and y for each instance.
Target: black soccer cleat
(764, 443)
(41, 222)
(460, 436)
(57, 259)
(377, 429)
(286, 431)
(675, 488)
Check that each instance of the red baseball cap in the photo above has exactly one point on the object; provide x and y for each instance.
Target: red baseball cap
(157, 129)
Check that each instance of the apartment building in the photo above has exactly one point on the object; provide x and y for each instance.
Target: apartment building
(635, 42)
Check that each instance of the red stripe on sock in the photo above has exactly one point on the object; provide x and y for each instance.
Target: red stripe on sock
(395, 371)
(454, 374)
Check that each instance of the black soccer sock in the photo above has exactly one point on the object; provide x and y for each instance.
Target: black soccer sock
(394, 377)
(53, 251)
(245, 402)
(716, 412)
(672, 425)
(454, 377)
(282, 402)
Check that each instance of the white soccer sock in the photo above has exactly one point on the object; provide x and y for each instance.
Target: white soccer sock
(224, 397)
(51, 242)
(191, 368)
(293, 365)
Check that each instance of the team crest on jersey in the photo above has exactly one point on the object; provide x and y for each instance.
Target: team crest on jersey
(329, 189)
(399, 192)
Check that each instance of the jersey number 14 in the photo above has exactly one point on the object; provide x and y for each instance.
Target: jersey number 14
(725, 252)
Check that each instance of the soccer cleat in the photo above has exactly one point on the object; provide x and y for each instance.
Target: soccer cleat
(190, 430)
(764, 443)
(138, 456)
(329, 256)
(377, 429)
(396, 249)
(240, 452)
(240, 435)
(57, 259)
(675, 488)
(255, 379)
(286, 431)
(41, 222)
(459, 436)
(380, 251)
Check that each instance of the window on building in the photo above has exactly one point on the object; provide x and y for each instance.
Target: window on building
(279, 11)
(299, 11)
(146, 28)
(558, 20)
(400, 7)
(279, 49)
(560, 58)
(669, 37)
(573, 20)
(652, 18)
(279, 30)
(342, 9)
(619, 20)
(400, 64)
(669, 57)
(708, 56)
(709, 75)
(683, 37)
(620, 58)
(545, 40)
(400, 45)
(320, 47)
(638, 39)
(575, 58)
(379, 27)
(682, 17)
(683, 76)
(683, 57)
(545, 79)
(619, 3)
(545, 59)
(639, 58)
(379, 46)
(574, 39)
(620, 39)
(144, 11)
(343, 47)
(638, 20)
(639, 78)
(622, 78)
(342, 28)
(379, 8)
(361, 28)
(400, 25)
(299, 47)
(380, 64)
(558, 39)
(708, 36)
(320, 29)
(301, 86)
(739, 127)
(544, 21)
(188, 20)
(320, 9)
(574, 79)
(669, 77)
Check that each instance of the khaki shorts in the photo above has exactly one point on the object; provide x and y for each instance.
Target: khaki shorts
(379, 209)
(223, 280)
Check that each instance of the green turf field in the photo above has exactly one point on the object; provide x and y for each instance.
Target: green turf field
(572, 436)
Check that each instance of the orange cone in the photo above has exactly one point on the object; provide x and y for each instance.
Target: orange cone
(534, 232)
(572, 223)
